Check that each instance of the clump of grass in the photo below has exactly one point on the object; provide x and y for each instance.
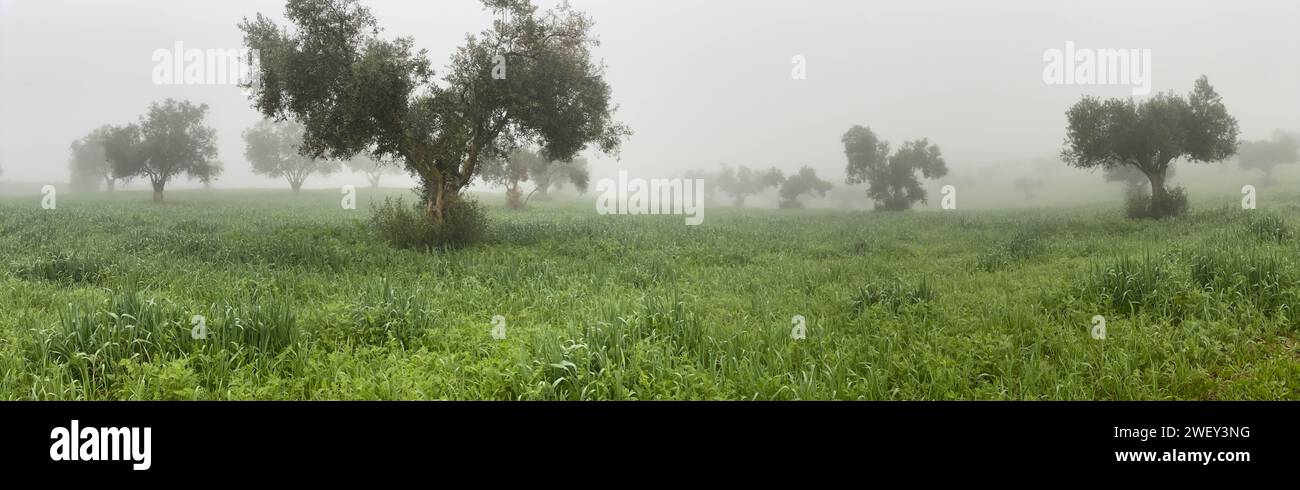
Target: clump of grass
(894, 296)
(1268, 226)
(1023, 245)
(1130, 285)
(98, 341)
(63, 268)
(383, 315)
(1260, 277)
(408, 227)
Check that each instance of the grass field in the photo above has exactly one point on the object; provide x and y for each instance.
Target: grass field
(301, 301)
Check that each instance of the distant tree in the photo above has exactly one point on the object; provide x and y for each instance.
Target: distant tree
(374, 169)
(1028, 186)
(88, 163)
(509, 172)
(548, 174)
(273, 150)
(891, 179)
(170, 140)
(804, 182)
(1151, 134)
(529, 80)
(1267, 154)
(743, 182)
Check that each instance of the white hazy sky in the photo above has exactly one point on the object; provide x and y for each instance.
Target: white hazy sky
(702, 82)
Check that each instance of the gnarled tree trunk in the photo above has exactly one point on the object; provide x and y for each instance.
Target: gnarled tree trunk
(158, 191)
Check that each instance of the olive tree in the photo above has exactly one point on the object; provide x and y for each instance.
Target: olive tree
(273, 150)
(1150, 135)
(170, 140)
(891, 179)
(528, 80)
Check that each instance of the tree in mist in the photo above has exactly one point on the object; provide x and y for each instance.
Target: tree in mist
(551, 174)
(804, 182)
(273, 150)
(743, 182)
(1149, 136)
(170, 140)
(509, 172)
(88, 162)
(1028, 186)
(528, 80)
(891, 179)
(1267, 154)
(374, 169)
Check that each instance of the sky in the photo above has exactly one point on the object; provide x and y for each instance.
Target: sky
(701, 82)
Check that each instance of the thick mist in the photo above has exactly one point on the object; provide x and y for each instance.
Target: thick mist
(709, 83)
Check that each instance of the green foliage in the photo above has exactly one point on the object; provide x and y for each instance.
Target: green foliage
(1025, 244)
(1269, 226)
(528, 80)
(63, 267)
(640, 309)
(1139, 204)
(406, 226)
(894, 296)
(1130, 285)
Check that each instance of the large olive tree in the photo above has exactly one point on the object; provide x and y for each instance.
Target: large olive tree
(1150, 135)
(529, 79)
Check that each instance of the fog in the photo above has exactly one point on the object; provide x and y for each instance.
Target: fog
(700, 83)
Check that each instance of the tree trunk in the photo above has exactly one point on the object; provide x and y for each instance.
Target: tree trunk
(1158, 192)
(512, 197)
(374, 179)
(158, 191)
(438, 200)
(110, 181)
(296, 186)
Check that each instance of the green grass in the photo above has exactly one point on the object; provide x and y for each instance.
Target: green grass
(303, 301)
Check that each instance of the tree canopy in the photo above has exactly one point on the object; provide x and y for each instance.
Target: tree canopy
(528, 80)
(804, 182)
